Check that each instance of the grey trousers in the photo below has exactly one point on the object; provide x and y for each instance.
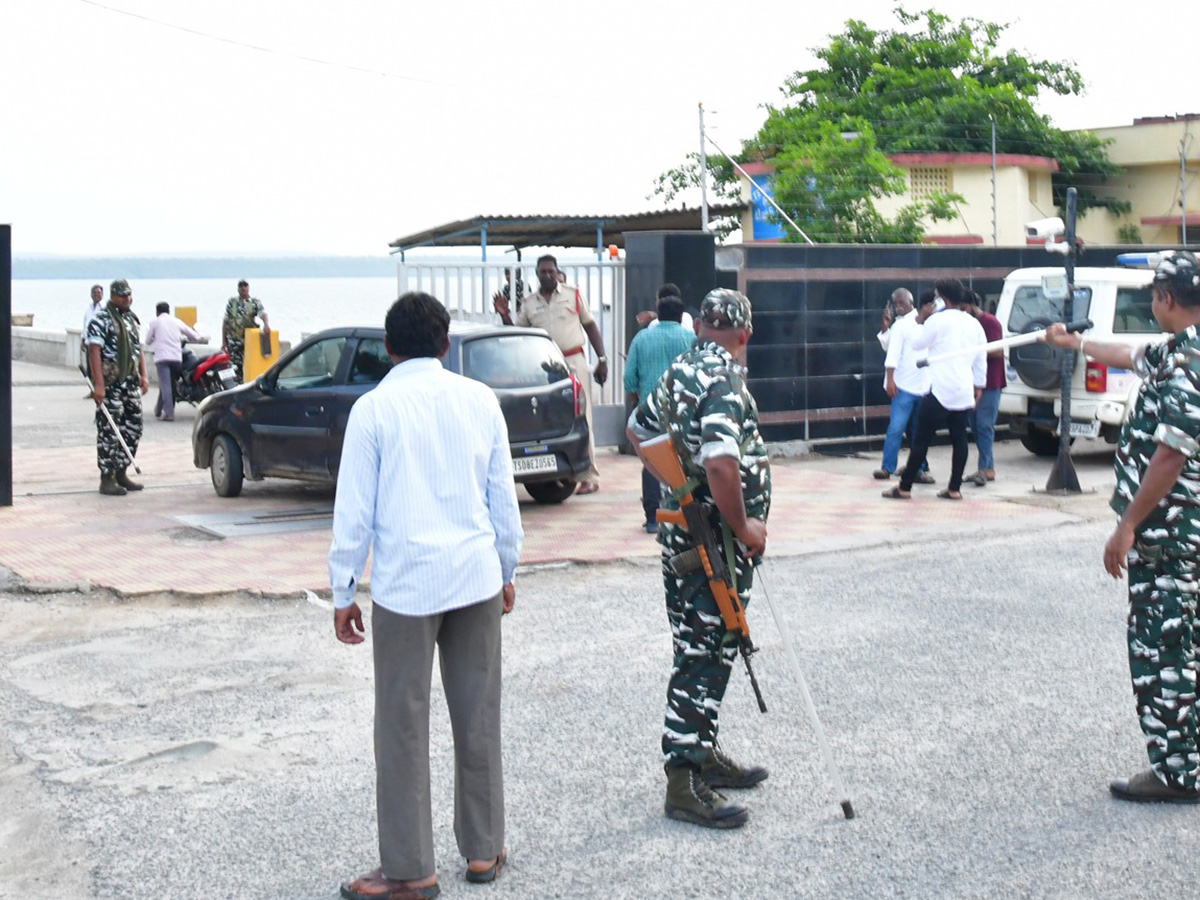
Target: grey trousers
(468, 642)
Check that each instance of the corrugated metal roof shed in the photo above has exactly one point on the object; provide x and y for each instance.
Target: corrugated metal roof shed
(555, 231)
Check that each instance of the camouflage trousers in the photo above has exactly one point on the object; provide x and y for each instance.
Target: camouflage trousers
(704, 654)
(1162, 660)
(124, 401)
(237, 357)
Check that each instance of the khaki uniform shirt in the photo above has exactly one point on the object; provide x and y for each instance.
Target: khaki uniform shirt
(563, 317)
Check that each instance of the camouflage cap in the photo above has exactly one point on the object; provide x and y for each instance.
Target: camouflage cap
(1179, 269)
(120, 288)
(723, 308)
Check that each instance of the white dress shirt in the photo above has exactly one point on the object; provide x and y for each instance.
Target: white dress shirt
(426, 477)
(164, 336)
(902, 357)
(953, 381)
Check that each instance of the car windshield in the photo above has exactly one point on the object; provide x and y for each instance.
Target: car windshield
(1030, 305)
(1133, 315)
(314, 367)
(513, 361)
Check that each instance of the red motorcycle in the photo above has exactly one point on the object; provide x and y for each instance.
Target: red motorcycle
(200, 376)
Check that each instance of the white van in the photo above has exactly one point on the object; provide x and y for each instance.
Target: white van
(1117, 300)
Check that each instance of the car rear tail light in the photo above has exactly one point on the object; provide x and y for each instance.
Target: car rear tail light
(577, 392)
(1096, 378)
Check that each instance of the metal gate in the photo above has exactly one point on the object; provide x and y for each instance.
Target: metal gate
(466, 289)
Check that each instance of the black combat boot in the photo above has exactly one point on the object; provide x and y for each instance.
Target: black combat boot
(690, 799)
(124, 481)
(720, 771)
(108, 485)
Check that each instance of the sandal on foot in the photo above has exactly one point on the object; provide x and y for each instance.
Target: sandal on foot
(376, 886)
(896, 494)
(978, 479)
(491, 873)
(948, 494)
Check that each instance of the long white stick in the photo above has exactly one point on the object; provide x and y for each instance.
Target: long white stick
(1017, 340)
(826, 753)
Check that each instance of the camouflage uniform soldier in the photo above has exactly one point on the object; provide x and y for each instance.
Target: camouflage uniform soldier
(241, 312)
(1158, 535)
(119, 370)
(703, 402)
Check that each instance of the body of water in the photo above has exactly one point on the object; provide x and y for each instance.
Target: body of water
(294, 306)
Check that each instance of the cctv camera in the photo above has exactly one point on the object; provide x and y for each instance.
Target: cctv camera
(1045, 228)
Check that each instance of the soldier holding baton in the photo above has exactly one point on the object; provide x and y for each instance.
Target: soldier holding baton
(1157, 537)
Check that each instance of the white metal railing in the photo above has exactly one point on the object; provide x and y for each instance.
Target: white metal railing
(466, 289)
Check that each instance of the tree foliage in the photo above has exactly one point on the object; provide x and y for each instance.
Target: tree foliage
(929, 85)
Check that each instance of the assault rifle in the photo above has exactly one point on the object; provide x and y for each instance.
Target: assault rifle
(696, 518)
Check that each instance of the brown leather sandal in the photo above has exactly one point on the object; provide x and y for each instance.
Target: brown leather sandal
(375, 886)
(491, 873)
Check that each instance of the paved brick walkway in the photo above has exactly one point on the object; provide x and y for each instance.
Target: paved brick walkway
(60, 530)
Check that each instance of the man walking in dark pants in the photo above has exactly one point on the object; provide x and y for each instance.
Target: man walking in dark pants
(650, 354)
(955, 384)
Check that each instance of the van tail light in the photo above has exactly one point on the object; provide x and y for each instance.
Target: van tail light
(577, 392)
(1096, 379)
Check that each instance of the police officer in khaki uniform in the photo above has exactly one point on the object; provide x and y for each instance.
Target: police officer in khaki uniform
(563, 312)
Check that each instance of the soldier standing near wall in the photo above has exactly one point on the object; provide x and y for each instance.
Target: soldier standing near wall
(241, 312)
(119, 380)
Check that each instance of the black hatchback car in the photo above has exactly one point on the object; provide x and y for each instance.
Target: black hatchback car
(291, 421)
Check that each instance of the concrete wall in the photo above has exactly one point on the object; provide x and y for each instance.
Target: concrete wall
(57, 348)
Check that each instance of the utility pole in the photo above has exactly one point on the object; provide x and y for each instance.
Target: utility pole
(1183, 143)
(1063, 478)
(995, 213)
(703, 176)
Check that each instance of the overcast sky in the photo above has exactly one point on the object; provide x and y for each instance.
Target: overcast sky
(319, 127)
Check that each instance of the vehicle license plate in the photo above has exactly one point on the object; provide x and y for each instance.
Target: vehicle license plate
(547, 462)
(1084, 429)
(226, 376)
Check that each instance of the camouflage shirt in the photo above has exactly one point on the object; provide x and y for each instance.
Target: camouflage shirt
(240, 315)
(102, 330)
(703, 400)
(1167, 412)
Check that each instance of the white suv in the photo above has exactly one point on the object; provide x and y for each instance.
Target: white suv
(1117, 300)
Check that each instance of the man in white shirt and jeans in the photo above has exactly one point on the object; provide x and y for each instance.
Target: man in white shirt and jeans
(904, 381)
(426, 478)
(955, 385)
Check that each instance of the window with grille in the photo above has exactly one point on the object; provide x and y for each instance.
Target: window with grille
(924, 181)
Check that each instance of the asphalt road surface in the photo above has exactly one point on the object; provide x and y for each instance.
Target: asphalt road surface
(975, 696)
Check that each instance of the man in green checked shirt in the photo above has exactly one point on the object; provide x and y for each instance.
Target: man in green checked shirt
(650, 353)
(1157, 537)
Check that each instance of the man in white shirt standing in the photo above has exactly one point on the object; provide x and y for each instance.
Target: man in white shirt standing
(955, 385)
(903, 380)
(426, 478)
(165, 338)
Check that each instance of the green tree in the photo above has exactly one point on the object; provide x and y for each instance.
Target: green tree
(929, 85)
